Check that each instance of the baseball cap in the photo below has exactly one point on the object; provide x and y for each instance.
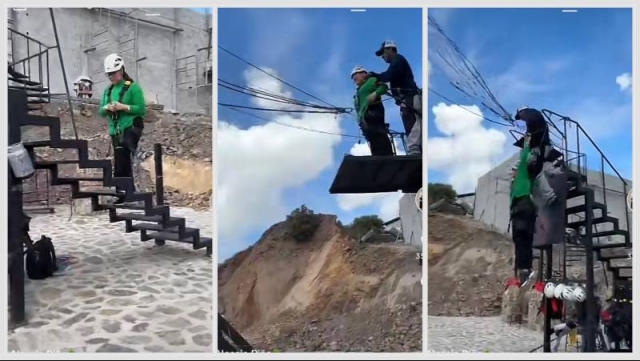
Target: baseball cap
(386, 44)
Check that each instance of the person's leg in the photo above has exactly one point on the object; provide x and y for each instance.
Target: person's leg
(378, 136)
(523, 223)
(131, 139)
(118, 149)
(411, 122)
(415, 135)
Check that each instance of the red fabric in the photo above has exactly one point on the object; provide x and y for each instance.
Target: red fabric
(512, 282)
(539, 287)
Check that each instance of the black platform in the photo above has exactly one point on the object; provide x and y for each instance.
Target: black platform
(378, 174)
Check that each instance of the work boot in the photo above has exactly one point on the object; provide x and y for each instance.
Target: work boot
(523, 276)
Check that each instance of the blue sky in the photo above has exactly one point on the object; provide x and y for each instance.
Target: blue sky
(315, 50)
(543, 58)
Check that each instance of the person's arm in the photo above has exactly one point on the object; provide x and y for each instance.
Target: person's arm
(102, 111)
(137, 104)
(382, 88)
(395, 70)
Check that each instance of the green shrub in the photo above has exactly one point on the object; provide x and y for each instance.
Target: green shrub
(303, 223)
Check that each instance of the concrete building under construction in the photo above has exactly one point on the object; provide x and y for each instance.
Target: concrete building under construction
(167, 50)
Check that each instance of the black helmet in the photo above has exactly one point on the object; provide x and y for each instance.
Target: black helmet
(529, 114)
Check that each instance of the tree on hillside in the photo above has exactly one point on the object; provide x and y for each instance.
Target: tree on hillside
(438, 191)
(303, 223)
(361, 225)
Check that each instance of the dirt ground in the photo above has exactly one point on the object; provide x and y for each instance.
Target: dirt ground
(468, 265)
(327, 294)
(187, 147)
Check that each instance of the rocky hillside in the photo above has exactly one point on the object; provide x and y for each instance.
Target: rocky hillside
(469, 264)
(324, 293)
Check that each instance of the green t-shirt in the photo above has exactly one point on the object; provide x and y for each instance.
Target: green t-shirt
(367, 88)
(134, 98)
(522, 182)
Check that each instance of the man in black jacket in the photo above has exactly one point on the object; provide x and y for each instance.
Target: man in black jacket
(405, 91)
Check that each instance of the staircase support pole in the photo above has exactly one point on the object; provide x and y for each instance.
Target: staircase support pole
(547, 253)
(64, 73)
(18, 223)
(157, 153)
(591, 317)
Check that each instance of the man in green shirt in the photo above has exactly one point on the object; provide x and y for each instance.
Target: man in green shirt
(523, 213)
(368, 104)
(123, 104)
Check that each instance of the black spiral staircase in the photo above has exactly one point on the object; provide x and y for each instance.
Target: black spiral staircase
(596, 235)
(153, 221)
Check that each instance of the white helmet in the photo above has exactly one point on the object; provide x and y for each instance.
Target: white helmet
(358, 69)
(113, 62)
(548, 289)
(579, 295)
(567, 293)
(557, 293)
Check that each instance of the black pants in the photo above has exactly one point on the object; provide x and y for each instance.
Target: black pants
(124, 148)
(376, 133)
(523, 218)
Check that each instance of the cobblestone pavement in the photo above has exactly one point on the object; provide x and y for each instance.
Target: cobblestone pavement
(479, 334)
(122, 295)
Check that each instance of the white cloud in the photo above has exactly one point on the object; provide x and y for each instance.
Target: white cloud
(624, 81)
(261, 81)
(386, 203)
(257, 164)
(468, 149)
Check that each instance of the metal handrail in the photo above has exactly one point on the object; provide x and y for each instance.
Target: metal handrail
(38, 54)
(43, 51)
(603, 158)
(30, 38)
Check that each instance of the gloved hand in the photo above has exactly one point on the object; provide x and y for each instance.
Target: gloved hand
(372, 98)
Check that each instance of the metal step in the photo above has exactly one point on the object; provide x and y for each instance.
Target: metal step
(583, 207)
(70, 180)
(106, 193)
(188, 237)
(25, 81)
(48, 163)
(138, 207)
(172, 222)
(598, 220)
(153, 227)
(602, 257)
(620, 245)
(79, 144)
(575, 192)
(37, 88)
(205, 242)
(618, 232)
(38, 101)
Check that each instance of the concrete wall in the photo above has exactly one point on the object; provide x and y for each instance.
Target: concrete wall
(492, 197)
(151, 52)
(411, 220)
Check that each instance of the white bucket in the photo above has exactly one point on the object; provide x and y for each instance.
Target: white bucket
(20, 161)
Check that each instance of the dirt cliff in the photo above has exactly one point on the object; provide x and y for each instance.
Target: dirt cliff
(186, 141)
(327, 293)
(468, 265)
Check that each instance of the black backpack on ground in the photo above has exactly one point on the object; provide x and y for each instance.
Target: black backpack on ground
(41, 259)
